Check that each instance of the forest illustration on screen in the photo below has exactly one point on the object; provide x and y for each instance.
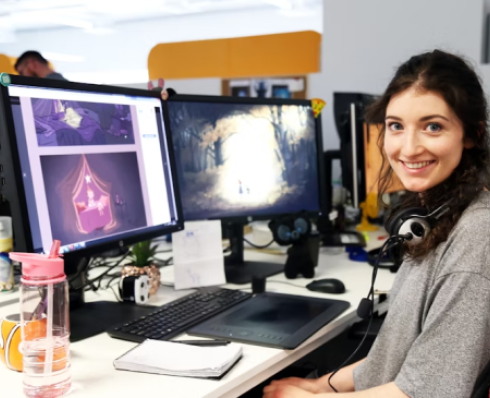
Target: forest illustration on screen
(244, 159)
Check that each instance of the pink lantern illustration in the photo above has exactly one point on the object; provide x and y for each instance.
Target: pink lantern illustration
(91, 198)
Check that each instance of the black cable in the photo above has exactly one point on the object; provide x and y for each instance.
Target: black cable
(113, 277)
(162, 263)
(115, 294)
(96, 283)
(98, 279)
(81, 268)
(285, 282)
(388, 245)
(352, 355)
(101, 265)
(89, 286)
(258, 246)
(103, 274)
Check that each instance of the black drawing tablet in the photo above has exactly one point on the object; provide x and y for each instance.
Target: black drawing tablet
(272, 319)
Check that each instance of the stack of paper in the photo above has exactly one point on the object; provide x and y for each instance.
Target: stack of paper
(168, 358)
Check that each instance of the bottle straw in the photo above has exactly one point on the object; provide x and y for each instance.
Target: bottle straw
(55, 249)
(48, 359)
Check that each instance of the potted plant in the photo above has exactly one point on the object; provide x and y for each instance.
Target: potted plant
(142, 257)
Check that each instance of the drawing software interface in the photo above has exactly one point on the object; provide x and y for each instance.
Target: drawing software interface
(94, 165)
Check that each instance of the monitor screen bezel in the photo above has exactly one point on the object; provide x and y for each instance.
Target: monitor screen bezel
(266, 101)
(94, 248)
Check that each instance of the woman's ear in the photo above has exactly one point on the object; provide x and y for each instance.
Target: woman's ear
(468, 143)
(481, 129)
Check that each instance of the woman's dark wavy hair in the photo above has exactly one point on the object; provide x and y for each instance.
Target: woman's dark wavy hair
(455, 80)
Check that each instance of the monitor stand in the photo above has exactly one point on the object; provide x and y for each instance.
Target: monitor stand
(93, 318)
(239, 271)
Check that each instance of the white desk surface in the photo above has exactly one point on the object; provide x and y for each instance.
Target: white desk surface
(94, 375)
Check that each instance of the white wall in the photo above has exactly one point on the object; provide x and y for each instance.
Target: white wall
(364, 41)
(122, 58)
(187, 86)
(196, 86)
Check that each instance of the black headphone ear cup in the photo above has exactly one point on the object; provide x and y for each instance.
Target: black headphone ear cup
(396, 221)
(417, 226)
(394, 226)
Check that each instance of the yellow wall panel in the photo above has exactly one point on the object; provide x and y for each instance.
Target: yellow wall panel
(6, 64)
(267, 55)
(11, 60)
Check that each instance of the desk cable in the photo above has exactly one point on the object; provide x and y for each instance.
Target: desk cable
(285, 283)
(366, 306)
(258, 246)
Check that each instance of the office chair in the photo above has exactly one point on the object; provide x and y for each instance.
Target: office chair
(482, 384)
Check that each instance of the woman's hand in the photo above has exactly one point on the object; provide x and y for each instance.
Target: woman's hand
(343, 381)
(310, 385)
(283, 390)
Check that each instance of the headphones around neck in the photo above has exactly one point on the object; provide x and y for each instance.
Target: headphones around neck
(415, 223)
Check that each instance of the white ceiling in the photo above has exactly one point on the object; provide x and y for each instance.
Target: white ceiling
(108, 41)
(102, 16)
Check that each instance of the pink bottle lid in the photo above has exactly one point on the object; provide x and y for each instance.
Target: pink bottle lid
(49, 268)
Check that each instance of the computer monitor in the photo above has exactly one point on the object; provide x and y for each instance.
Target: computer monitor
(349, 120)
(89, 165)
(243, 159)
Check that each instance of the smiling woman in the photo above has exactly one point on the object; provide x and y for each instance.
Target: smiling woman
(436, 140)
(434, 341)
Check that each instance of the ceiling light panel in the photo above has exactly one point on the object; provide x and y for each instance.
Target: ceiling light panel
(47, 4)
(54, 56)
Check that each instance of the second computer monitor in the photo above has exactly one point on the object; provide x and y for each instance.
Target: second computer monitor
(244, 157)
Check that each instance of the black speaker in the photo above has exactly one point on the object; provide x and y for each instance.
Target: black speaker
(295, 230)
(289, 229)
(303, 257)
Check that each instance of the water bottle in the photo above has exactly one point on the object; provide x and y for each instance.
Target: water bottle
(45, 324)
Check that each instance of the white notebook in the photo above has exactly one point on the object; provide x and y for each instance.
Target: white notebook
(176, 359)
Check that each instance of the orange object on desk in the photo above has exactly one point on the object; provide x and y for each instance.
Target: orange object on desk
(10, 338)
